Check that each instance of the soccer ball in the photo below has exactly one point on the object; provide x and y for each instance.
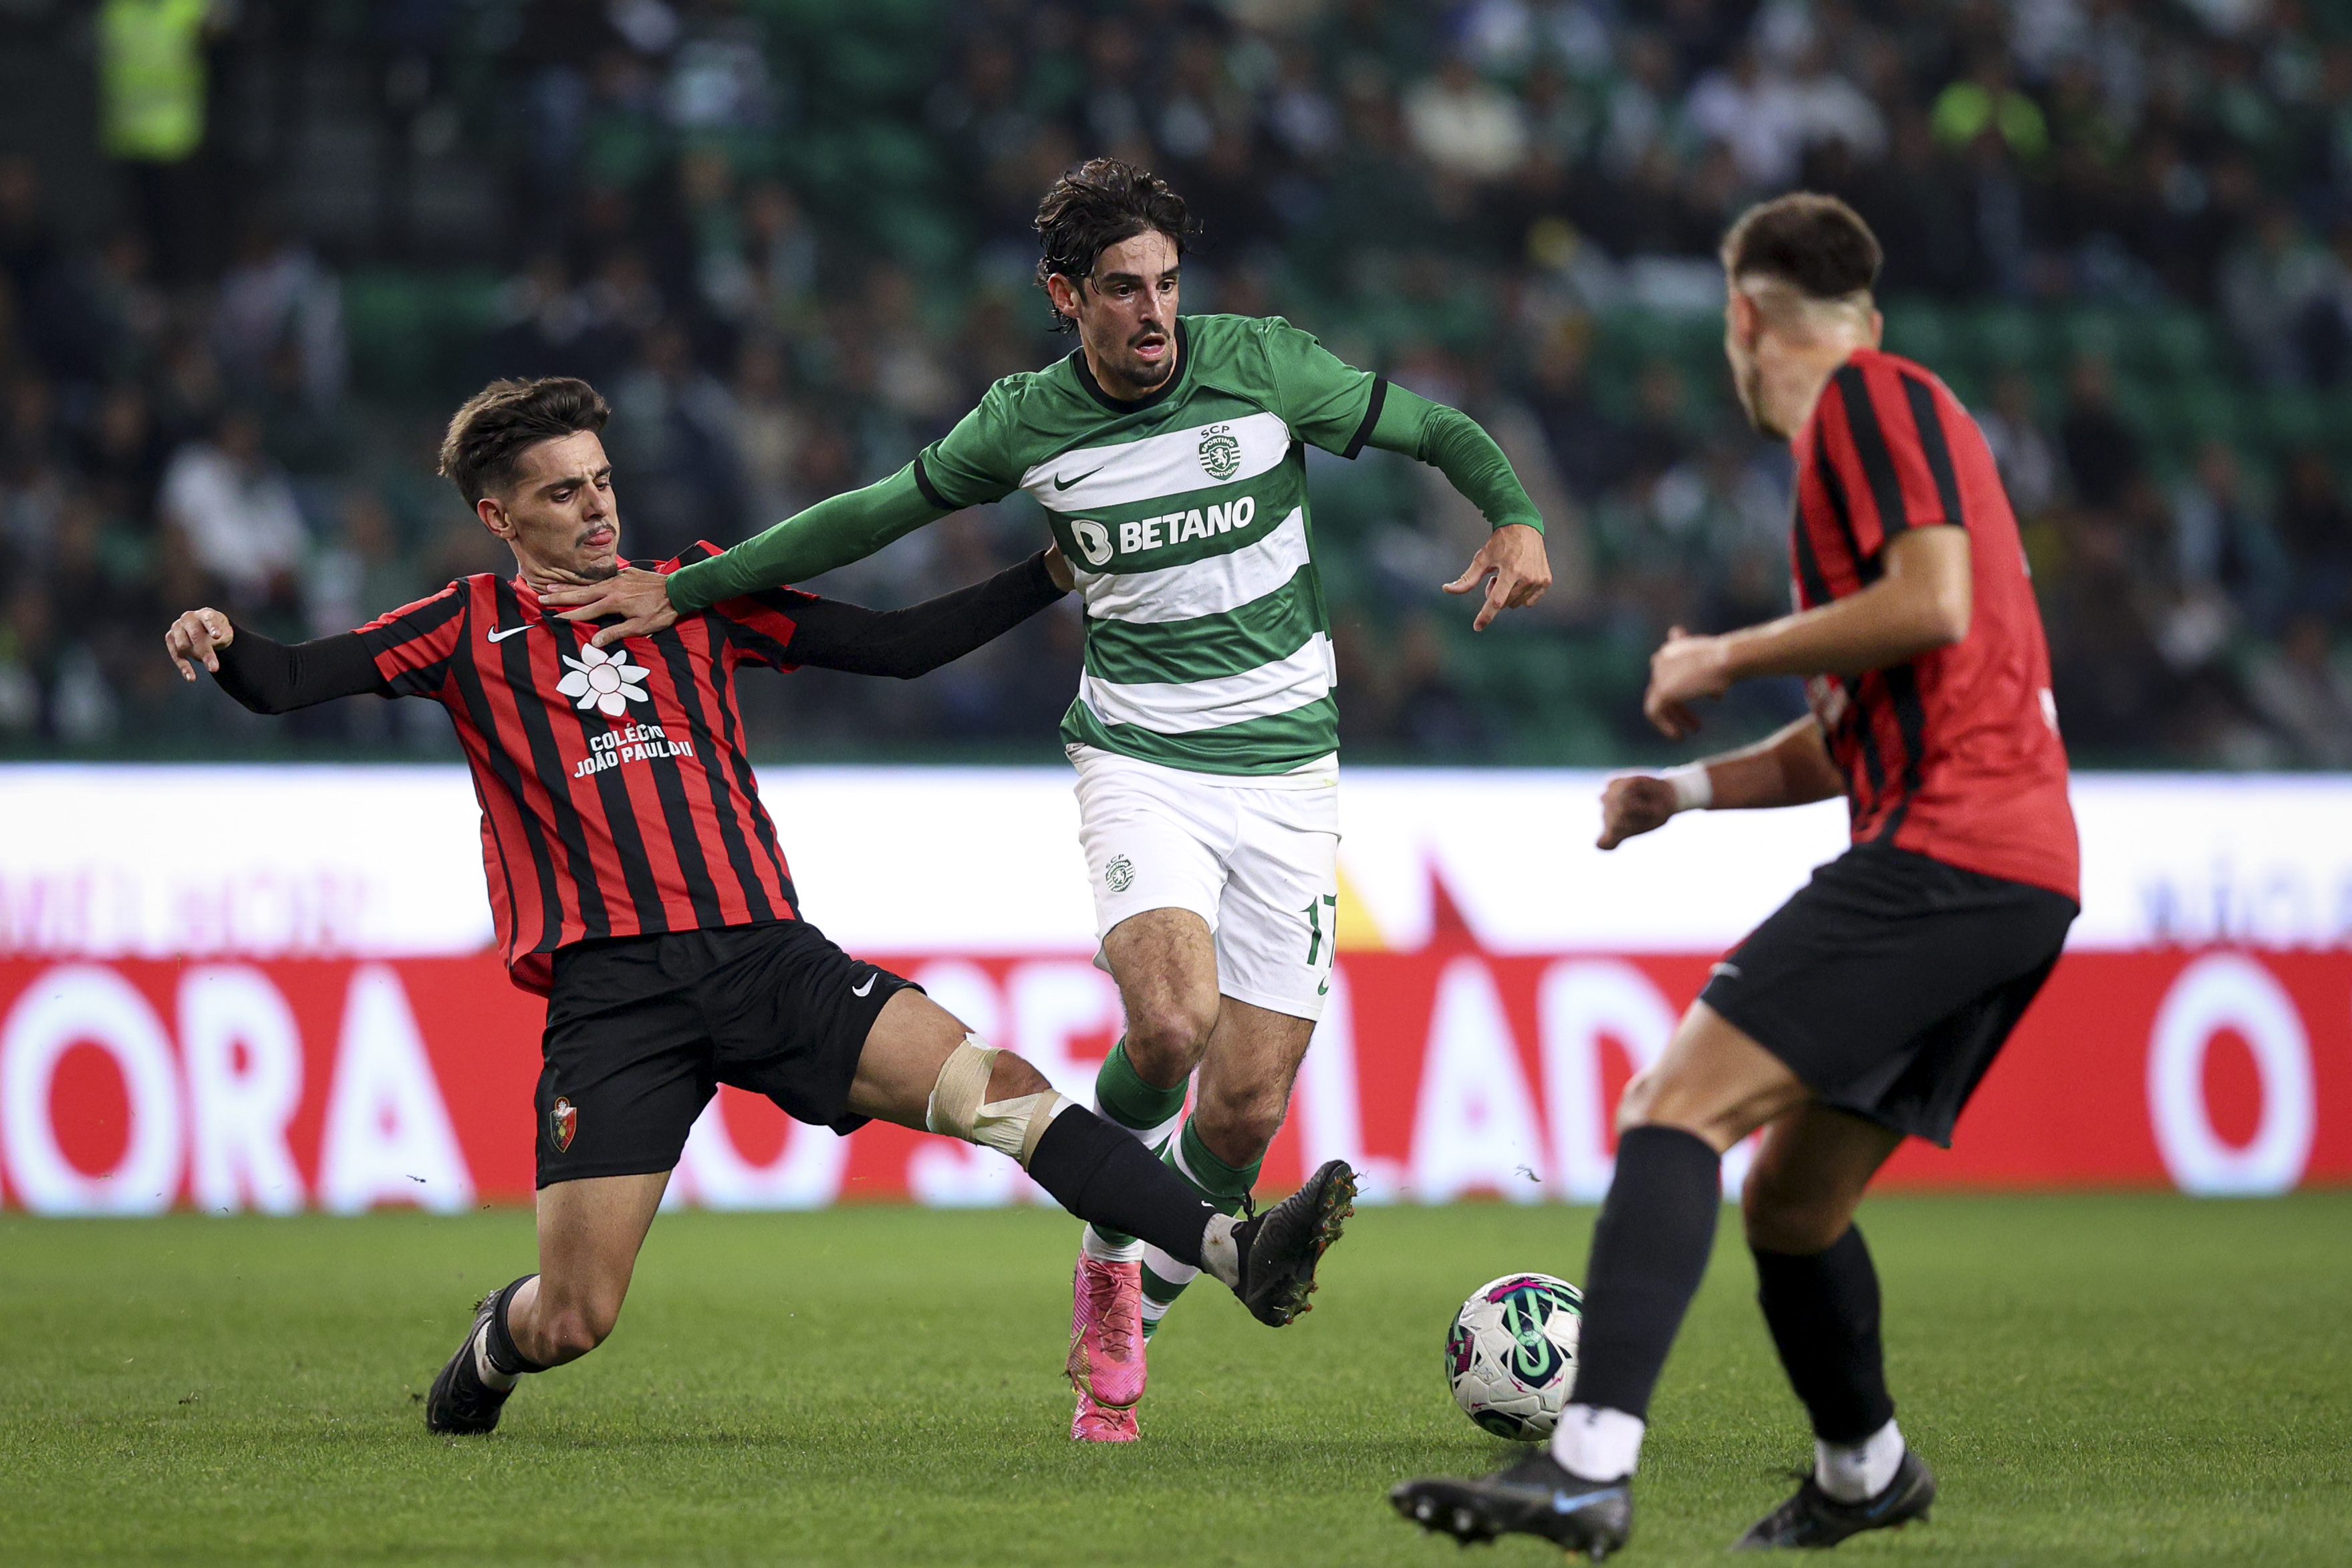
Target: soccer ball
(1511, 1353)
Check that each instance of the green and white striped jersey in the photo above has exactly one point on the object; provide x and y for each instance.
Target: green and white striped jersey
(1208, 644)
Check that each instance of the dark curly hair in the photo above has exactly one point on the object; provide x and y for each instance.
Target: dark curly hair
(1093, 207)
(1815, 243)
(491, 433)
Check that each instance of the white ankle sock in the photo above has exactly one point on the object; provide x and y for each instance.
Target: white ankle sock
(491, 1374)
(1091, 1243)
(1166, 1267)
(1219, 1255)
(1856, 1472)
(1596, 1443)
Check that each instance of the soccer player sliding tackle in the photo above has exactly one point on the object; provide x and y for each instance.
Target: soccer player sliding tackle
(1871, 1005)
(1168, 453)
(638, 883)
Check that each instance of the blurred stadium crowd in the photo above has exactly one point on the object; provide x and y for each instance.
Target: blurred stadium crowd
(251, 253)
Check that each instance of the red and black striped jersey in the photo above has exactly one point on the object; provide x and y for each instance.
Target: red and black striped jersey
(618, 799)
(1954, 754)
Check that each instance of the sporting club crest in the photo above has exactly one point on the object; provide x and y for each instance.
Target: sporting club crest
(563, 1122)
(1220, 452)
(1119, 874)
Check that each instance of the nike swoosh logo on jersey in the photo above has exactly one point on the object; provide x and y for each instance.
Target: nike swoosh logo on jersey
(865, 990)
(1062, 484)
(500, 634)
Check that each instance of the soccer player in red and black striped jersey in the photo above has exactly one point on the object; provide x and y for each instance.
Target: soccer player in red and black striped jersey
(1869, 1007)
(638, 884)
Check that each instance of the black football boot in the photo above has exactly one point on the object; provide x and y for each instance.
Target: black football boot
(1280, 1248)
(460, 1401)
(1534, 1496)
(1814, 1519)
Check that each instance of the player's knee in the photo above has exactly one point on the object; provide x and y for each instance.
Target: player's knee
(1240, 1122)
(993, 1097)
(1010, 1076)
(1164, 1041)
(1633, 1104)
(1780, 1218)
(1653, 1098)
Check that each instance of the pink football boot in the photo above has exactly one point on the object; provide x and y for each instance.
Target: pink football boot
(1106, 1365)
(1092, 1423)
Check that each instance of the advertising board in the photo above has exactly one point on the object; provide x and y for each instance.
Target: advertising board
(269, 989)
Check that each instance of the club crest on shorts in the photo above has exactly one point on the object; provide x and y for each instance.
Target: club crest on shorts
(1119, 874)
(563, 1122)
(1220, 452)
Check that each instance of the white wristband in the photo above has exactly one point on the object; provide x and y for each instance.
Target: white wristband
(1694, 790)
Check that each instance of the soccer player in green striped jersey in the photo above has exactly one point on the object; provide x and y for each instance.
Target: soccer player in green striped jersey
(1169, 453)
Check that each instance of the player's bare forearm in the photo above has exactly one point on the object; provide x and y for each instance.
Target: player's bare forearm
(1791, 767)
(1922, 603)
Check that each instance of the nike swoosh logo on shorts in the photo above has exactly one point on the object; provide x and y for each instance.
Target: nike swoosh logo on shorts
(500, 634)
(1727, 971)
(1062, 484)
(864, 990)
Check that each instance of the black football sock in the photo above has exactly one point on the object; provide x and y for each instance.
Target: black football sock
(1100, 1172)
(498, 1344)
(1649, 1253)
(1822, 1310)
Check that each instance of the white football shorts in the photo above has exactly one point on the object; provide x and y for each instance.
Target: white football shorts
(1258, 861)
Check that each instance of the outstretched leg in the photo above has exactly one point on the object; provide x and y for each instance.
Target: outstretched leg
(921, 1068)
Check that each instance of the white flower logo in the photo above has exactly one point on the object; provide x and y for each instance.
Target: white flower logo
(607, 682)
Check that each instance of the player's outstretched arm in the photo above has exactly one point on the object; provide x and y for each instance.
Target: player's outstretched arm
(1511, 565)
(831, 635)
(1793, 768)
(834, 533)
(1921, 602)
(267, 676)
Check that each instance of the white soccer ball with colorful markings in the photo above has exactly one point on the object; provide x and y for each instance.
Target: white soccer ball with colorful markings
(1511, 1353)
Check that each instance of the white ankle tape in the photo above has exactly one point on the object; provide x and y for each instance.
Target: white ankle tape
(959, 1107)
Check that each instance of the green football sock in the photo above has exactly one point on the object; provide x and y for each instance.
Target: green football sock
(1222, 1185)
(1122, 1096)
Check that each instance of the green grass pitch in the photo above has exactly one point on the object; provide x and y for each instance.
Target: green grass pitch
(2109, 1379)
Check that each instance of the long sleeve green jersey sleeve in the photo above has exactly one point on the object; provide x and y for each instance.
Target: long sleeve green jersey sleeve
(1024, 420)
(1459, 448)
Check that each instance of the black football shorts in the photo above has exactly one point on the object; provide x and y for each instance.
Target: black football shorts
(641, 1031)
(1891, 981)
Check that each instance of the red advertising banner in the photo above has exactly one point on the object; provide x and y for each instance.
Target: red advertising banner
(130, 1087)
